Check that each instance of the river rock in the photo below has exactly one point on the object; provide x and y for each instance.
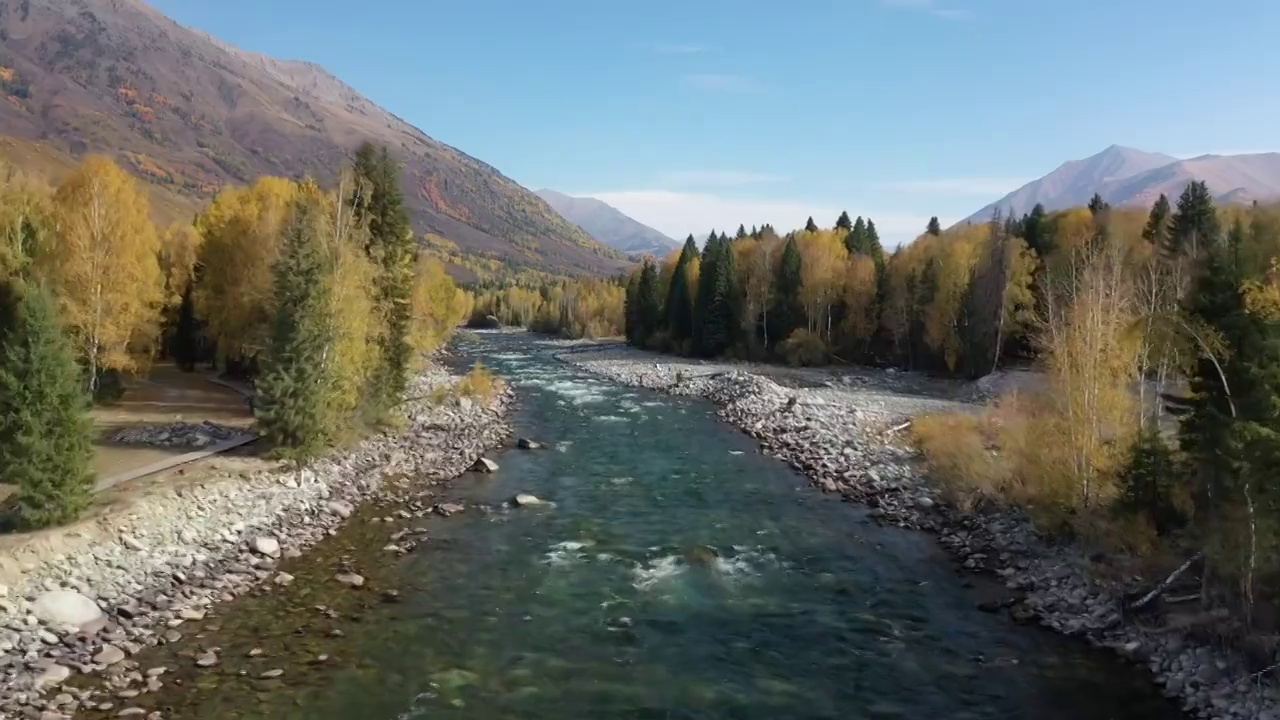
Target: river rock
(341, 508)
(527, 444)
(526, 500)
(273, 673)
(207, 660)
(351, 580)
(268, 546)
(447, 509)
(68, 607)
(484, 465)
(109, 655)
(52, 676)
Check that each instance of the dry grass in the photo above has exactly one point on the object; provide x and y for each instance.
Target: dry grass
(1021, 451)
(479, 383)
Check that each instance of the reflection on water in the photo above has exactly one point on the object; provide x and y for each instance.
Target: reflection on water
(677, 574)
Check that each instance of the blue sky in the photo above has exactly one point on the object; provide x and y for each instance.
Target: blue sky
(702, 113)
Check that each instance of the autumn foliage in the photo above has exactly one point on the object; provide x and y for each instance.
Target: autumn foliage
(341, 317)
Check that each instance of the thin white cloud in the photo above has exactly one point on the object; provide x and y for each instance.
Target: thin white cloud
(1255, 151)
(932, 7)
(721, 178)
(721, 82)
(678, 214)
(959, 187)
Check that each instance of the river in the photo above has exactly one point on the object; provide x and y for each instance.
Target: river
(678, 573)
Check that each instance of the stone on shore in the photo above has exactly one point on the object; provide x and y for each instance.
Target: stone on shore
(351, 580)
(341, 508)
(109, 655)
(484, 465)
(267, 546)
(68, 607)
(52, 676)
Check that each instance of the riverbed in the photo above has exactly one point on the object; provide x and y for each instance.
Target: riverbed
(676, 572)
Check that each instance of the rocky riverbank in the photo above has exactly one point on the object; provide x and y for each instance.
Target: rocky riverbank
(847, 437)
(174, 553)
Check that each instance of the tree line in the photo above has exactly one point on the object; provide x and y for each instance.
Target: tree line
(567, 307)
(1156, 333)
(318, 296)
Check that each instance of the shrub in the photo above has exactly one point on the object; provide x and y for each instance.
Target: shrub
(479, 383)
(961, 453)
(803, 349)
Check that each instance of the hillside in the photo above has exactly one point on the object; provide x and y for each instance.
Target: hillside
(608, 224)
(190, 113)
(1127, 177)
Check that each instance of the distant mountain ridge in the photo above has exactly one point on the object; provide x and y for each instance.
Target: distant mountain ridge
(190, 114)
(1127, 177)
(608, 225)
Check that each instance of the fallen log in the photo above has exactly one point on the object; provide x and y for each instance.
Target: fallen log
(1164, 585)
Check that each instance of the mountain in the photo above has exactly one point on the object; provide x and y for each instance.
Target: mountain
(608, 224)
(190, 113)
(1127, 177)
(1074, 182)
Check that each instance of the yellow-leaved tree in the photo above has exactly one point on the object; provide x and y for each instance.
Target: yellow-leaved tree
(25, 218)
(861, 312)
(103, 266)
(241, 230)
(438, 306)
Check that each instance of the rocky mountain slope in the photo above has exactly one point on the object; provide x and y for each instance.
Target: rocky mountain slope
(190, 113)
(1124, 176)
(608, 224)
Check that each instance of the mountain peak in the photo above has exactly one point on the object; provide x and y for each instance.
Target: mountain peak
(1126, 176)
(607, 224)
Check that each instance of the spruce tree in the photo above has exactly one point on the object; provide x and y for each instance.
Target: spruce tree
(679, 305)
(707, 281)
(843, 222)
(934, 228)
(45, 430)
(787, 313)
(1194, 226)
(631, 310)
(857, 236)
(1156, 231)
(1035, 231)
(722, 328)
(1098, 205)
(742, 232)
(379, 202)
(186, 340)
(811, 226)
(648, 301)
(292, 393)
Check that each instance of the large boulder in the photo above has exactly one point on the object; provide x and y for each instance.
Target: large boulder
(68, 607)
(527, 444)
(527, 500)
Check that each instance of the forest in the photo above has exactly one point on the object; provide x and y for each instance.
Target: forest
(1155, 335)
(319, 296)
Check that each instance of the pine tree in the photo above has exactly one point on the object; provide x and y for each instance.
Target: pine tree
(45, 430)
(1194, 226)
(1156, 231)
(1098, 205)
(788, 311)
(843, 222)
(742, 232)
(648, 301)
(1035, 231)
(811, 226)
(934, 228)
(631, 312)
(679, 305)
(722, 325)
(292, 393)
(186, 341)
(378, 201)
